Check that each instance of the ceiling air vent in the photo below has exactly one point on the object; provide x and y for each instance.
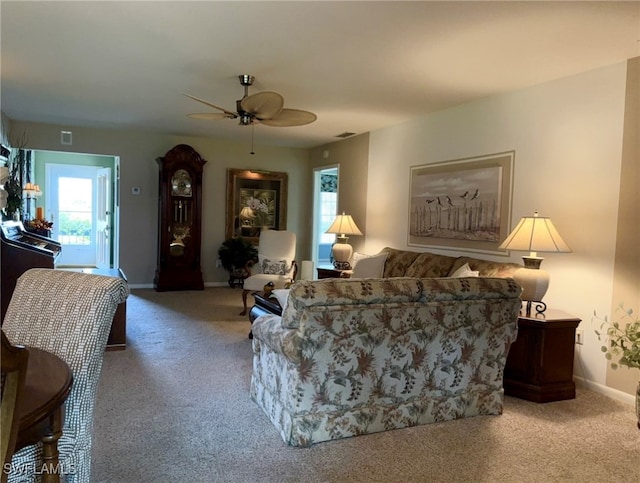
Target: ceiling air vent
(346, 134)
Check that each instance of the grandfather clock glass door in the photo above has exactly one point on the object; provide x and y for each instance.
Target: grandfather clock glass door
(179, 238)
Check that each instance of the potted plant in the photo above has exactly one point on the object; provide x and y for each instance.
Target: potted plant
(235, 255)
(13, 203)
(623, 345)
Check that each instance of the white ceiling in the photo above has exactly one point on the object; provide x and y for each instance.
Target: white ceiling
(359, 66)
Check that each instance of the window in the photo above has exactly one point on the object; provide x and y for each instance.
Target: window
(75, 211)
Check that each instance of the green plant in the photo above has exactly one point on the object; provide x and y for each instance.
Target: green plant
(623, 339)
(14, 193)
(235, 253)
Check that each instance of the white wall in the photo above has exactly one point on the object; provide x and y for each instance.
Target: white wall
(567, 137)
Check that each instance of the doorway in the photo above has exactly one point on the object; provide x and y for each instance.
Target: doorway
(80, 199)
(325, 206)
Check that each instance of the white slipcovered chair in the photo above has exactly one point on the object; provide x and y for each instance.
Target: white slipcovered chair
(276, 253)
(68, 314)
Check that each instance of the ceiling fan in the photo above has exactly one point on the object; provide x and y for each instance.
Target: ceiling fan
(263, 107)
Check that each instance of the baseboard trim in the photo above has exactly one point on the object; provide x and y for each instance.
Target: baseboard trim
(140, 285)
(207, 284)
(607, 391)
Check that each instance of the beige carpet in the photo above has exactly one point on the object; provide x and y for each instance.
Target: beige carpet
(175, 407)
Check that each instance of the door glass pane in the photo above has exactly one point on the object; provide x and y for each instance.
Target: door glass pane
(328, 204)
(75, 210)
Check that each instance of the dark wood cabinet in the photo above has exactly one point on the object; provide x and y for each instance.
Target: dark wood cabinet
(540, 362)
(180, 217)
(21, 251)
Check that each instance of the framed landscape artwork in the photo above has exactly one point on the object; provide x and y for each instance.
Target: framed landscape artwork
(256, 200)
(462, 204)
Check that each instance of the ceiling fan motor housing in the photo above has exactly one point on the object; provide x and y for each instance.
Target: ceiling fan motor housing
(246, 79)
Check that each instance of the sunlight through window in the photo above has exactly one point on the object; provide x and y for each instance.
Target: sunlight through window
(75, 207)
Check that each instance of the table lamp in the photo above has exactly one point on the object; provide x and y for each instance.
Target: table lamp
(247, 216)
(534, 234)
(342, 226)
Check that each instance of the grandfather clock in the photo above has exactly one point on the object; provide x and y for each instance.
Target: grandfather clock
(180, 212)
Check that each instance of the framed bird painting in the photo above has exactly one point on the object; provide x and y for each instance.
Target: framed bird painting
(462, 204)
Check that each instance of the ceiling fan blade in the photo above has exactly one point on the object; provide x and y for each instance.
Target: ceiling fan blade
(263, 105)
(211, 116)
(230, 114)
(290, 117)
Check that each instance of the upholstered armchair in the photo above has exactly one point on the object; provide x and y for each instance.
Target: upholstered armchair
(276, 253)
(68, 314)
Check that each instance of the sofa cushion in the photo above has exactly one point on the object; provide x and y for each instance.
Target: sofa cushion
(397, 261)
(430, 265)
(486, 268)
(345, 292)
(476, 288)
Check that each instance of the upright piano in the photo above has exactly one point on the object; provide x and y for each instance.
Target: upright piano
(22, 250)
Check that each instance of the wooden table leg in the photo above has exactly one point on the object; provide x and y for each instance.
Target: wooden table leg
(51, 468)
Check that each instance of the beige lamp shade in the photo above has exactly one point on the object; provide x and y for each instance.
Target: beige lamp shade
(342, 226)
(247, 216)
(29, 190)
(534, 234)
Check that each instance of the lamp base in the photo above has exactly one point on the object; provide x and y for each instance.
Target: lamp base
(534, 282)
(341, 265)
(540, 307)
(342, 252)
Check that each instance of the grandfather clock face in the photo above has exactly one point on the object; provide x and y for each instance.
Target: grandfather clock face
(181, 184)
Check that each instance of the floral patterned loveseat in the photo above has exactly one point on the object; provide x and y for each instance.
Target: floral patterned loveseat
(356, 356)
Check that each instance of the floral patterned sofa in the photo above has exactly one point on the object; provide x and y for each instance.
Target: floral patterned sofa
(355, 356)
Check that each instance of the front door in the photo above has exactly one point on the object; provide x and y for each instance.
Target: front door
(72, 201)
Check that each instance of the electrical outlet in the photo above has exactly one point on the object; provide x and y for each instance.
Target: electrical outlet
(218, 263)
(579, 336)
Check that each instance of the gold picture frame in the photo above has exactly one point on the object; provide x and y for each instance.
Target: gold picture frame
(256, 200)
(462, 204)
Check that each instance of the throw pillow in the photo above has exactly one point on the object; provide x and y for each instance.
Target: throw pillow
(465, 271)
(368, 266)
(273, 267)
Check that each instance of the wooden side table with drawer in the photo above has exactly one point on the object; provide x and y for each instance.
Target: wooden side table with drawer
(540, 362)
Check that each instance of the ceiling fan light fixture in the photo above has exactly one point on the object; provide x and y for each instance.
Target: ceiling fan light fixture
(245, 119)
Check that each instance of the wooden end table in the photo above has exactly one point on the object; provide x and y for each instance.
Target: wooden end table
(540, 362)
(330, 272)
(41, 411)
